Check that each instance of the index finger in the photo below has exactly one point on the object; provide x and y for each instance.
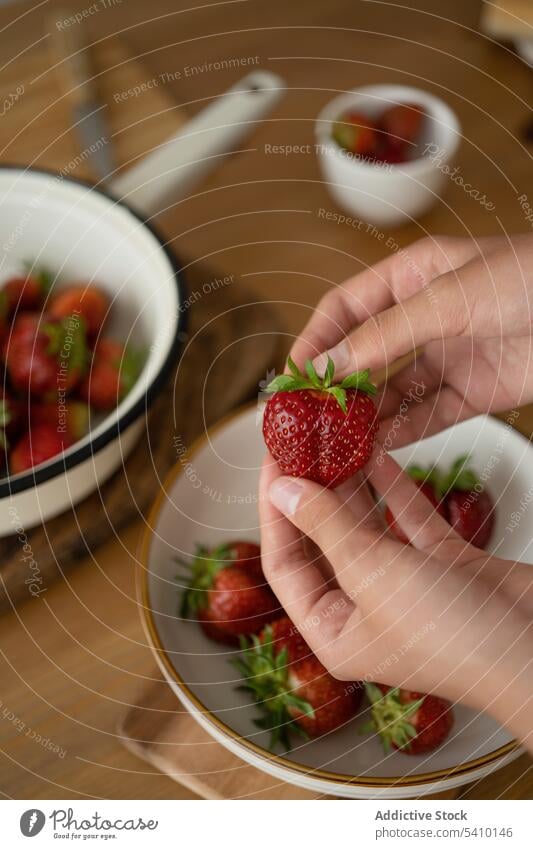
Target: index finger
(377, 288)
(296, 580)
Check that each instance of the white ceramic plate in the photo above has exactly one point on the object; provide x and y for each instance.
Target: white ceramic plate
(210, 496)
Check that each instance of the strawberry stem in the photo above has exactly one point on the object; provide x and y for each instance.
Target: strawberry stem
(459, 476)
(296, 380)
(266, 676)
(390, 717)
(200, 574)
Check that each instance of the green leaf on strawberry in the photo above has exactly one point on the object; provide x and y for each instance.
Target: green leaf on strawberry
(67, 339)
(266, 676)
(43, 276)
(296, 380)
(390, 717)
(199, 577)
(5, 418)
(130, 366)
(458, 477)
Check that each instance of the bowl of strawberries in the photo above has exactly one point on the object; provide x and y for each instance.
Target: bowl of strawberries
(244, 670)
(384, 151)
(89, 329)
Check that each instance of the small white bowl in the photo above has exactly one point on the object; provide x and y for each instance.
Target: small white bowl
(383, 194)
(211, 496)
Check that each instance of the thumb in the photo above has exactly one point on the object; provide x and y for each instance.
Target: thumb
(323, 516)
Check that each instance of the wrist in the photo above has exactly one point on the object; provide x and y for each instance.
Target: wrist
(508, 694)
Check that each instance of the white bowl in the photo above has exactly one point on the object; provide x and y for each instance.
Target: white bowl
(211, 496)
(387, 195)
(80, 233)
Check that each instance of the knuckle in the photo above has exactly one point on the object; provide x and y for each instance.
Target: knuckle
(315, 515)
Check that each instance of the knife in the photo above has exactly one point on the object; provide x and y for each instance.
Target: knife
(71, 55)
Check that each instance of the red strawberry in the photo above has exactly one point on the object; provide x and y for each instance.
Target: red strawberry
(318, 430)
(13, 416)
(403, 124)
(300, 696)
(70, 418)
(470, 509)
(3, 316)
(284, 634)
(426, 486)
(27, 293)
(472, 515)
(45, 357)
(38, 445)
(462, 500)
(412, 722)
(227, 595)
(114, 371)
(246, 554)
(89, 301)
(356, 133)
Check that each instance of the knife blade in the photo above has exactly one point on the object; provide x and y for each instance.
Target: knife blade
(71, 57)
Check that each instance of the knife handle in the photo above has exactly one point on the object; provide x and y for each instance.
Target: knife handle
(171, 170)
(69, 54)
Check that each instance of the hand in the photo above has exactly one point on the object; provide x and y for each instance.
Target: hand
(468, 302)
(438, 616)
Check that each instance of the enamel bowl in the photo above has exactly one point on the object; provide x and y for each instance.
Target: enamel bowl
(81, 233)
(211, 496)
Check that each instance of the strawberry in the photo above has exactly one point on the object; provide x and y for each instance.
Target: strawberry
(402, 124)
(12, 417)
(412, 722)
(458, 496)
(356, 133)
(469, 507)
(114, 371)
(91, 302)
(318, 430)
(6, 422)
(27, 293)
(248, 554)
(4, 315)
(296, 696)
(38, 445)
(45, 357)
(228, 596)
(70, 418)
(283, 634)
(423, 479)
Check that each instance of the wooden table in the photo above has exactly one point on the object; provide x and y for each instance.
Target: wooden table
(72, 661)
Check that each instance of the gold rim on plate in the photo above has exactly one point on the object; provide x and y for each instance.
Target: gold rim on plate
(264, 754)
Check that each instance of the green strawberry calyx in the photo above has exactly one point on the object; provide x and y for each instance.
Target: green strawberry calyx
(296, 380)
(266, 676)
(391, 717)
(459, 476)
(130, 367)
(42, 275)
(67, 341)
(199, 577)
(5, 418)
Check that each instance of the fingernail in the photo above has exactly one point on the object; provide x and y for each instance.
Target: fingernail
(285, 494)
(340, 356)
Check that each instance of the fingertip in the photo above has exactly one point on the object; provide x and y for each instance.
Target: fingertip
(341, 355)
(285, 493)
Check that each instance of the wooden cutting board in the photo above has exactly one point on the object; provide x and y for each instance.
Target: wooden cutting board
(214, 374)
